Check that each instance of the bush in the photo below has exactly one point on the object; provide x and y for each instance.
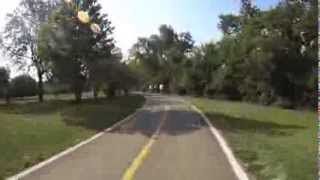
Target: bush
(182, 91)
(110, 90)
(22, 86)
(210, 93)
(284, 103)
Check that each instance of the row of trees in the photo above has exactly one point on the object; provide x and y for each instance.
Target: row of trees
(20, 86)
(67, 42)
(265, 56)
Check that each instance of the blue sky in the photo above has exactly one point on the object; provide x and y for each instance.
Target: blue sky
(140, 18)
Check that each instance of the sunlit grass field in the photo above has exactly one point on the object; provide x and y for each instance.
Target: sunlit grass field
(272, 143)
(31, 132)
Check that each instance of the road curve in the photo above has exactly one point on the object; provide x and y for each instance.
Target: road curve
(166, 140)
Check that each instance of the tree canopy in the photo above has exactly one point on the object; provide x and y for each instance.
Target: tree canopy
(79, 51)
(162, 55)
(20, 38)
(265, 56)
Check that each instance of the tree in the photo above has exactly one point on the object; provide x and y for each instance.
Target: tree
(162, 56)
(270, 55)
(20, 35)
(76, 42)
(22, 86)
(122, 78)
(4, 83)
(230, 24)
(247, 10)
(104, 71)
(264, 56)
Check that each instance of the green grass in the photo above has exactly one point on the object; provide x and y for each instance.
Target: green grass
(272, 143)
(32, 132)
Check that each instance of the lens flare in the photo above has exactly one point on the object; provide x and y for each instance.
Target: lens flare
(95, 28)
(83, 17)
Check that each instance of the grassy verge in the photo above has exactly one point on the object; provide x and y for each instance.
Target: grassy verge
(32, 132)
(272, 143)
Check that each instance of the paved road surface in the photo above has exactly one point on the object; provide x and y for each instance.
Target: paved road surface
(183, 149)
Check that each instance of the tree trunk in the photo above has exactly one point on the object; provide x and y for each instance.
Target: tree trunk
(78, 87)
(111, 90)
(40, 87)
(7, 95)
(7, 100)
(78, 96)
(126, 92)
(95, 93)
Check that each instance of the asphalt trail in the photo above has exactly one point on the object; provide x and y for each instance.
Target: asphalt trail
(184, 149)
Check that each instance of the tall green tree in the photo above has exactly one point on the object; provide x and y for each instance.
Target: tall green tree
(271, 56)
(20, 37)
(73, 47)
(162, 55)
(265, 56)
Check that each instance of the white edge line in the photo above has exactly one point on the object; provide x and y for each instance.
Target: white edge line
(69, 150)
(238, 170)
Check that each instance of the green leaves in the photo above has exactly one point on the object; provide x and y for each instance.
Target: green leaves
(258, 59)
(162, 56)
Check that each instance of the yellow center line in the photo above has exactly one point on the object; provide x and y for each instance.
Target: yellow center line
(137, 162)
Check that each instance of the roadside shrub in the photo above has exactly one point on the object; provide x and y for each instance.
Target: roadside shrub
(210, 93)
(284, 103)
(110, 90)
(182, 91)
(22, 86)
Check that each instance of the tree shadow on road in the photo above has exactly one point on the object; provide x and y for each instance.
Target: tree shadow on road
(181, 122)
(177, 122)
